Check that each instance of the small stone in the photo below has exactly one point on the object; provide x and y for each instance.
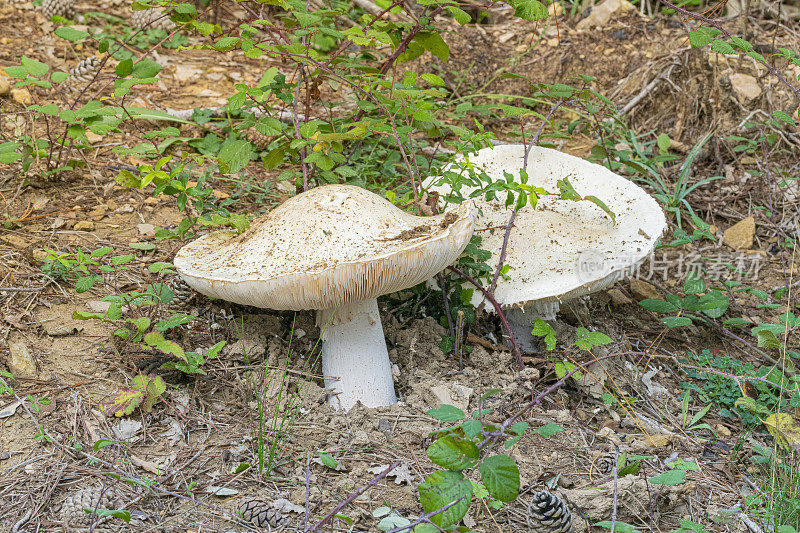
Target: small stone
(552, 42)
(642, 290)
(555, 9)
(658, 441)
(21, 96)
(84, 225)
(521, 48)
(601, 14)
(621, 35)
(740, 236)
(5, 86)
(151, 200)
(148, 230)
(20, 361)
(618, 298)
(723, 431)
(745, 86)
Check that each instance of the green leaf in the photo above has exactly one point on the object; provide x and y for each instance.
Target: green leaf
(530, 9)
(659, 306)
(447, 413)
(441, 488)
(157, 341)
(548, 430)
(433, 43)
(71, 34)
(34, 68)
(693, 284)
(461, 16)
(433, 79)
(599, 203)
(698, 39)
(453, 453)
(722, 47)
(124, 68)
(122, 402)
(146, 68)
(235, 155)
(673, 477)
(227, 43)
(328, 461)
(500, 475)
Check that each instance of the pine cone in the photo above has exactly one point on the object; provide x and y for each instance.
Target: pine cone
(152, 18)
(258, 139)
(547, 513)
(605, 463)
(62, 8)
(260, 513)
(182, 293)
(82, 74)
(72, 511)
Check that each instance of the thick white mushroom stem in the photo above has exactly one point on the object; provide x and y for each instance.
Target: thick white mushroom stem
(355, 361)
(521, 322)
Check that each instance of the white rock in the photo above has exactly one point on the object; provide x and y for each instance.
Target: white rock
(745, 86)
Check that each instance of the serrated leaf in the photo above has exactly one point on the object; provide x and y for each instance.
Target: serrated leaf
(453, 453)
(784, 429)
(548, 430)
(71, 34)
(659, 306)
(447, 413)
(35, 68)
(123, 402)
(673, 477)
(146, 68)
(698, 39)
(461, 16)
(157, 341)
(676, 321)
(441, 488)
(235, 155)
(500, 475)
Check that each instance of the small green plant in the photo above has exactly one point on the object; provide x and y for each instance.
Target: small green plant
(273, 422)
(144, 392)
(458, 449)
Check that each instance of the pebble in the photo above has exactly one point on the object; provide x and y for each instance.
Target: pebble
(21, 96)
(84, 225)
(642, 290)
(20, 361)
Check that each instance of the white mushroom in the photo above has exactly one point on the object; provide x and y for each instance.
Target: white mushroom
(335, 249)
(562, 249)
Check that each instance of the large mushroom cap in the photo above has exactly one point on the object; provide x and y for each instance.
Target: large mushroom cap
(562, 249)
(328, 246)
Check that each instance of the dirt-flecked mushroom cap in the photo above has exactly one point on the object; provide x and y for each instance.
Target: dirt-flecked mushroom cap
(334, 249)
(331, 245)
(562, 249)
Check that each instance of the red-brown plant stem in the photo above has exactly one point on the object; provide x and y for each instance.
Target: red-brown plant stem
(426, 518)
(527, 147)
(352, 496)
(499, 310)
(501, 430)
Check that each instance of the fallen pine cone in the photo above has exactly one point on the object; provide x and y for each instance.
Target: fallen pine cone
(62, 8)
(82, 74)
(152, 18)
(258, 139)
(260, 513)
(547, 513)
(73, 510)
